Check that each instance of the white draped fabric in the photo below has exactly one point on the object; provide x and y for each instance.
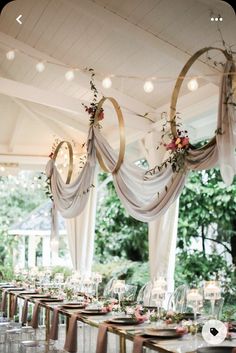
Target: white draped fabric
(81, 230)
(162, 232)
(147, 199)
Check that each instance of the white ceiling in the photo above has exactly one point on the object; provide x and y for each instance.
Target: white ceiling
(126, 37)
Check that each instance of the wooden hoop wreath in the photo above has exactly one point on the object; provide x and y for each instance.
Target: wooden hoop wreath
(179, 83)
(122, 134)
(70, 150)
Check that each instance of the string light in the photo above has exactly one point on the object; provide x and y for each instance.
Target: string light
(148, 86)
(70, 75)
(107, 82)
(40, 66)
(193, 84)
(10, 55)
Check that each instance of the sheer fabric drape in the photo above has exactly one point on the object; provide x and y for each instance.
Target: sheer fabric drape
(147, 199)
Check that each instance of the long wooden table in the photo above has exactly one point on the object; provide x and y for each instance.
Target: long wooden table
(185, 344)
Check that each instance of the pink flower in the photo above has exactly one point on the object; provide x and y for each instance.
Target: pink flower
(181, 330)
(185, 141)
(139, 317)
(171, 146)
(101, 115)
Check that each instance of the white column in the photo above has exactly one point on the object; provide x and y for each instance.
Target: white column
(162, 232)
(46, 260)
(32, 251)
(21, 252)
(54, 250)
(80, 231)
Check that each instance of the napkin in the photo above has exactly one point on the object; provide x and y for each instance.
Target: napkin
(4, 301)
(138, 344)
(24, 313)
(53, 335)
(102, 338)
(35, 316)
(71, 336)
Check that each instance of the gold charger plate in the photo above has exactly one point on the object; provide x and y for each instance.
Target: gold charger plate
(73, 306)
(124, 321)
(162, 333)
(218, 349)
(93, 312)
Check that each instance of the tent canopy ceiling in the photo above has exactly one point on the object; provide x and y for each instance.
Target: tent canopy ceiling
(130, 38)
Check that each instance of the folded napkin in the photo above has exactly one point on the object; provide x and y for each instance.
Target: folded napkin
(102, 338)
(24, 313)
(35, 316)
(13, 307)
(71, 336)
(138, 344)
(53, 335)
(4, 301)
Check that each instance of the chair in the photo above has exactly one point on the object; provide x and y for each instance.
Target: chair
(178, 300)
(108, 292)
(145, 295)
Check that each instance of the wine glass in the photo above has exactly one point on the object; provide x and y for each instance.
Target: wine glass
(194, 300)
(212, 292)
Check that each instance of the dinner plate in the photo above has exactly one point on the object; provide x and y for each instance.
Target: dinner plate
(162, 333)
(40, 296)
(148, 307)
(51, 300)
(73, 306)
(124, 321)
(218, 349)
(93, 312)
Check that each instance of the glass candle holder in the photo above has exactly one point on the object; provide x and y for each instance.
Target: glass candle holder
(119, 288)
(194, 300)
(97, 278)
(159, 294)
(212, 292)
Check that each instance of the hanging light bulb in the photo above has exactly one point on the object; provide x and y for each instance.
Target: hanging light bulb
(193, 84)
(70, 75)
(148, 86)
(107, 82)
(10, 55)
(40, 66)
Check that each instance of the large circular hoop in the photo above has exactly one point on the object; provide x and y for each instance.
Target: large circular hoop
(122, 134)
(179, 83)
(70, 150)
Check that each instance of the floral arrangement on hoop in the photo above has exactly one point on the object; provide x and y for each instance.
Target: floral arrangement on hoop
(176, 145)
(92, 107)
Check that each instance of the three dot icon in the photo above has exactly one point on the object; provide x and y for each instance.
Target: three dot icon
(216, 19)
